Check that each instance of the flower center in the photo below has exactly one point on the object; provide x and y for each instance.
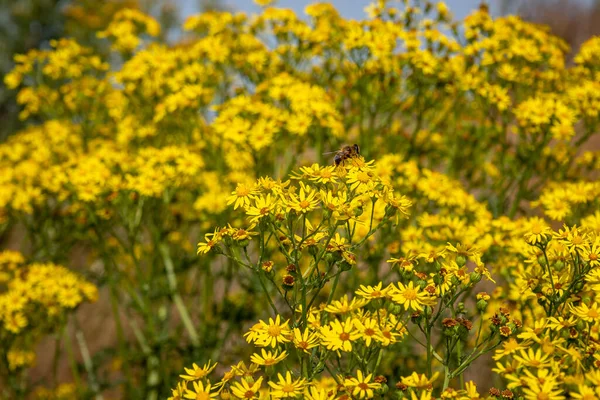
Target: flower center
(593, 256)
(202, 396)
(536, 229)
(304, 204)
(593, 313)
(363, 386)
(288, 388)
(344, 336)
(242, 191)
(249, 394)
(274, 330)
(410, 294)
(363, 177)
(369, 332)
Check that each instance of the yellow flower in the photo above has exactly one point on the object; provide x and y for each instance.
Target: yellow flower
(419, 381)
(339, 336)
(242, 196)
(272, 333)
(371, 293)
(409, 296)
(268, 358)
(531, 358)
(305, 340)
(200, 392)
(343, 306)
(286, 387)
(537, 231)
(587, 313)
(361, 180)
(319, 394)
(196, 372)
(245, 389)
(305, 202)
(361, 386)
(369, 330)
(546, 390)
(262, 207)
(591, 254)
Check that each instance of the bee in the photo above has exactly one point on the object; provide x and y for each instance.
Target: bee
(345, 153)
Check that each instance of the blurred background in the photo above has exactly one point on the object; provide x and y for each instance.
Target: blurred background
(27, 24)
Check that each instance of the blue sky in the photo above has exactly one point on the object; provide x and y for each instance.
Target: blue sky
(353, 9)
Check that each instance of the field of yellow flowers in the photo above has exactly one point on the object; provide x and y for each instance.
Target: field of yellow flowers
(455, 255)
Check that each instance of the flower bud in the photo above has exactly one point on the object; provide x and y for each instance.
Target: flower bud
(475, 277)
(482, 305)
(288, 282)
(243, 243)
(461, 261)
(345, 266)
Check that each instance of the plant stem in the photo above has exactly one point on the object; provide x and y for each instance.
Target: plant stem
(172, 279)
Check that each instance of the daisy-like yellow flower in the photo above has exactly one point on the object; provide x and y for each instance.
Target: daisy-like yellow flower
(305, 340)
(242, 196)
(272, 333)
(343, 306)
(200, 392)
(333, 202)
(509, 346)
(401, 204)
(314, 393)
(585, 392)
(245, 389)
(587, 313)
(179, 391)
(546, 390)
(320, 174)
(267, 357)
(196, 372)
(339, 336)
(369, 330)
(531, 358)
(419, 381)
(372, 292)
(241, 369)
(361, 386)
(409, 296)
(210, 240)
(305, 202)
(262, 207)
(361, 180)
(286, 387)
(405, 263)
(591, 254)
(537, 231)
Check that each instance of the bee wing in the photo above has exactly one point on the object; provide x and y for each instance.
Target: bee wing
(330, 152)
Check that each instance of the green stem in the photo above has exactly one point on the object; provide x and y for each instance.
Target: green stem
(88, 364)
(181, 308)
(71, 356)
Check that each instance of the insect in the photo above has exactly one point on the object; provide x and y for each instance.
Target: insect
(345, 153)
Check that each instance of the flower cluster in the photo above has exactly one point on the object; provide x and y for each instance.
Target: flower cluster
(35, 301)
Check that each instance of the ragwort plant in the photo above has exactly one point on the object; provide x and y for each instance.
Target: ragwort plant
(476, 128)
